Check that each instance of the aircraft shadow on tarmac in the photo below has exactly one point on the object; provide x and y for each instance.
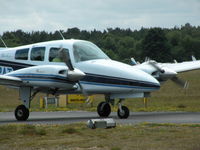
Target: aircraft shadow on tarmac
(54, 119)
(159, 117)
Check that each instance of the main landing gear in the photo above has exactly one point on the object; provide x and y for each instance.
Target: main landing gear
(104, 109)
(22, 111)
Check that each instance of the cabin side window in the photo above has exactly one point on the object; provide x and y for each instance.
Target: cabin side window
(53, 54)
(56, 54)
(22, 54)
(37, 53)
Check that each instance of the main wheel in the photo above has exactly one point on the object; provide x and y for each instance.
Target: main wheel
(21, 113)
(103, 109)
(124, 113)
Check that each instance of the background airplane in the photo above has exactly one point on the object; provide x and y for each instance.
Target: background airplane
(77, 66)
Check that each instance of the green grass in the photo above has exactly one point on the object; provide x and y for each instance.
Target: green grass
(169, 98)
(31, 130)
(145, 136)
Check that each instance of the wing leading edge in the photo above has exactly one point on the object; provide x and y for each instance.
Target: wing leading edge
(9, 80)
(184, 66)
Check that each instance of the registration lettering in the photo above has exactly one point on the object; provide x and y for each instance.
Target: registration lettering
(4, 69)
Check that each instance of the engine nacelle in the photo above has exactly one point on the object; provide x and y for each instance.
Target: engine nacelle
(51, 76)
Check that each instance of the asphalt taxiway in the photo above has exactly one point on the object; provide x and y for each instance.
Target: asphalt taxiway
(68, 117)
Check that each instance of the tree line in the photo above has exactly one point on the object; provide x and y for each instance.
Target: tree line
(160, 44)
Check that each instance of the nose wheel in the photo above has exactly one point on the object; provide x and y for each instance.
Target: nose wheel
(123, 112)
(21, 113)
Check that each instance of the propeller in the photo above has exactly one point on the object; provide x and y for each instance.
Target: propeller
(155, 65)
(166, 73)
(73, 74)
(133, 62)
(180, 82)
(193, 58)
(66, 58)
(147, 59)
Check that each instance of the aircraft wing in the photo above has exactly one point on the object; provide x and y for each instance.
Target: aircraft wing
(9, 80)
(165, 71)
(182, 67)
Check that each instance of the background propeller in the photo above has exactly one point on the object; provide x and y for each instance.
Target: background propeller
(166, 73)
(155, 65)
(182, 83)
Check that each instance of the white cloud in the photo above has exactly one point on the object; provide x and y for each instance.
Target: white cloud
(51, 15)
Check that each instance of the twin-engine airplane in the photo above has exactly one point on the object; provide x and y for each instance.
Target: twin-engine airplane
(77, 66)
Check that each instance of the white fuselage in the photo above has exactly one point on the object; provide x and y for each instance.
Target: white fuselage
(103, 75)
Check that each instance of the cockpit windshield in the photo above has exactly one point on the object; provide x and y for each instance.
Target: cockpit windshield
(84, 51)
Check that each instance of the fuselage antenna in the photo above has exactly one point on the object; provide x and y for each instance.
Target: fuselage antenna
(61, 35)
(3, 42)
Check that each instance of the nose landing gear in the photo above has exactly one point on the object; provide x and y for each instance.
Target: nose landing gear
(123, 111)
(104, 109)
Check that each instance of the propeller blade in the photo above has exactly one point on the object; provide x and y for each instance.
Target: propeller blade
(82, 89)
(193, 58)
(147, 59)
(180, 82)
(154, 64)
(66, 58)
(73, 74)
(133, 62)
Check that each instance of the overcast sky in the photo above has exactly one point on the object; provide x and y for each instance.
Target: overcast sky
(51, 15)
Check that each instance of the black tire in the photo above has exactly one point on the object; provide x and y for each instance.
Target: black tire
(124, 114)
(103, 109)
(21, 113)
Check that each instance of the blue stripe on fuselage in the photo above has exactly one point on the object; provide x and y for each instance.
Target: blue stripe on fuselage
(102, 79)
(14, 65)
(93, 81)
(88, 79)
